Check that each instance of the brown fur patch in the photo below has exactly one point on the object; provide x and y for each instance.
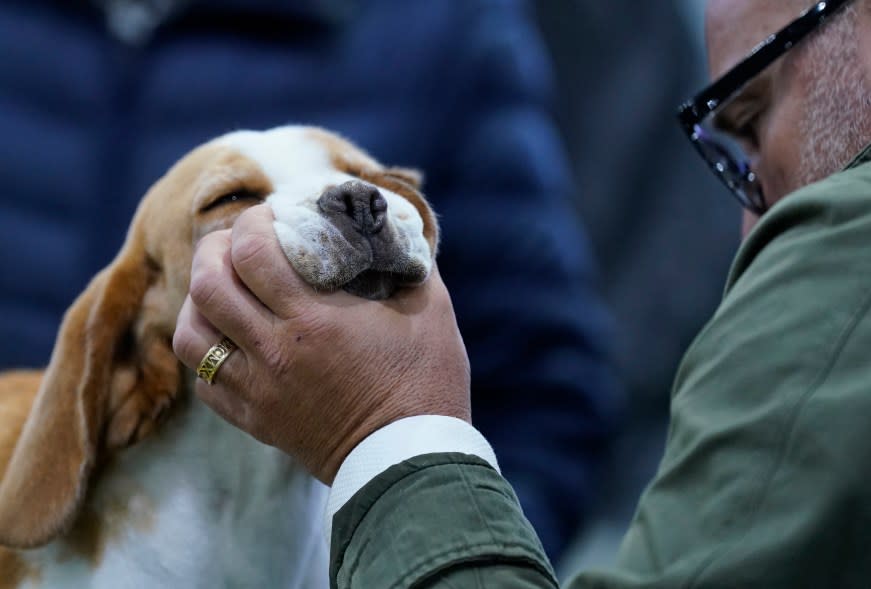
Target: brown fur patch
(13, 570)
(87, 539)
(94, 531)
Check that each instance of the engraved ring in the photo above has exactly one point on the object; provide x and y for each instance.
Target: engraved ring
(213, 359)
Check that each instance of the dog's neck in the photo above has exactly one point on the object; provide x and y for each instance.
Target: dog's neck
(198, 500)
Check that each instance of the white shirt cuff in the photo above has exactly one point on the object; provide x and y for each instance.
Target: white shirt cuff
(397, 442)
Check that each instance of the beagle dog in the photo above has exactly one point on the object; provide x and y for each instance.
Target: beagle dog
(112, 473)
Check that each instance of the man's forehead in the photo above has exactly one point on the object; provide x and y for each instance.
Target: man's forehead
(734, 27)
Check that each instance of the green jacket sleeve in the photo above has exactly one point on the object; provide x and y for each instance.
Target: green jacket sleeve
(764, 478)
(440, 520)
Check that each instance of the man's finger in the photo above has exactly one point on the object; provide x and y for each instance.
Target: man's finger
(261, 264)
(218, 293)
(194, 337)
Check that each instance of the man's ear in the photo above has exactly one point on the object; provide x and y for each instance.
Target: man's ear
(410, 176)
(109, 381)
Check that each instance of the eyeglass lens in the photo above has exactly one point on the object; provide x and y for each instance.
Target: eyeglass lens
(730, 163)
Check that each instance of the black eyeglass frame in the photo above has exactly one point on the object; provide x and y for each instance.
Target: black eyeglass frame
(693, 112)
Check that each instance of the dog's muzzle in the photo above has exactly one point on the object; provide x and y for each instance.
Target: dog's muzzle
(360, 212)
(355, 206)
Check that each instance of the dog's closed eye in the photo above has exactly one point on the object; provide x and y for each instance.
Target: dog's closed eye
(235, 196)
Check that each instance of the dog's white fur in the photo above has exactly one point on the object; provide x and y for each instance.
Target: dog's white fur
(170, 495)
(198, 503)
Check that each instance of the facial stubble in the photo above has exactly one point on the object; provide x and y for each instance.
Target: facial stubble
(837, 121)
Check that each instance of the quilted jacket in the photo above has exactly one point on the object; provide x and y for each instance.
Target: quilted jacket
(93, 109)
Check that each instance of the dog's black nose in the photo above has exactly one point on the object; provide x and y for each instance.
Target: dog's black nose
(362, 203)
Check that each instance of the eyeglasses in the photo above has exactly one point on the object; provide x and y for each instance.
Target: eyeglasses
(724, 155)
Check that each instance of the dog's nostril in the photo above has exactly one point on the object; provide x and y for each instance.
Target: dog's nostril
(378, 203)
(362, 203)
(348, 204)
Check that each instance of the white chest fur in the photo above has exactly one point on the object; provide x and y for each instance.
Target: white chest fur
(199, 505)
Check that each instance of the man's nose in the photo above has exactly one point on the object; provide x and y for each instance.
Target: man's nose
(362, 203)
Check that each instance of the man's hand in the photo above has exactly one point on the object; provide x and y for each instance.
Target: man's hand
(315, 373)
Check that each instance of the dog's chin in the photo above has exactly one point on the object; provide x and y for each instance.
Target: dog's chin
(377, 285)
(374, 285)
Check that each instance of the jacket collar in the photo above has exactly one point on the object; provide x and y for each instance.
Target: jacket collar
(861, 158)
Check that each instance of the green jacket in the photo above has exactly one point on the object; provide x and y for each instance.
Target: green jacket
(763, 482)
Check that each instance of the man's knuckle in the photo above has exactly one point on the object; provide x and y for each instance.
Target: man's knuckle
(248, 249)
(205, 283)
(274, 361)
(181, 343)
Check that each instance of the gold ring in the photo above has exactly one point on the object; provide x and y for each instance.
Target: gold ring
(214, 358)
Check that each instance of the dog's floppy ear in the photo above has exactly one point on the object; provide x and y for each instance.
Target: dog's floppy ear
(110, 378)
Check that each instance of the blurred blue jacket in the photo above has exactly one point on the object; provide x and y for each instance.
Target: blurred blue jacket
(458, 88)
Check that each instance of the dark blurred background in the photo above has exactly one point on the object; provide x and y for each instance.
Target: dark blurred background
(662, 228)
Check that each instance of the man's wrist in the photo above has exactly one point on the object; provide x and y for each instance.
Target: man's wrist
(400, 441)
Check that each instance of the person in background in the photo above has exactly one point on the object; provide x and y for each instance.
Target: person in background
(98, 99)
(662, 232)
(761, 483)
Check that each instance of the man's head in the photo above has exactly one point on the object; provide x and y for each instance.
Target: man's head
(806, 115)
